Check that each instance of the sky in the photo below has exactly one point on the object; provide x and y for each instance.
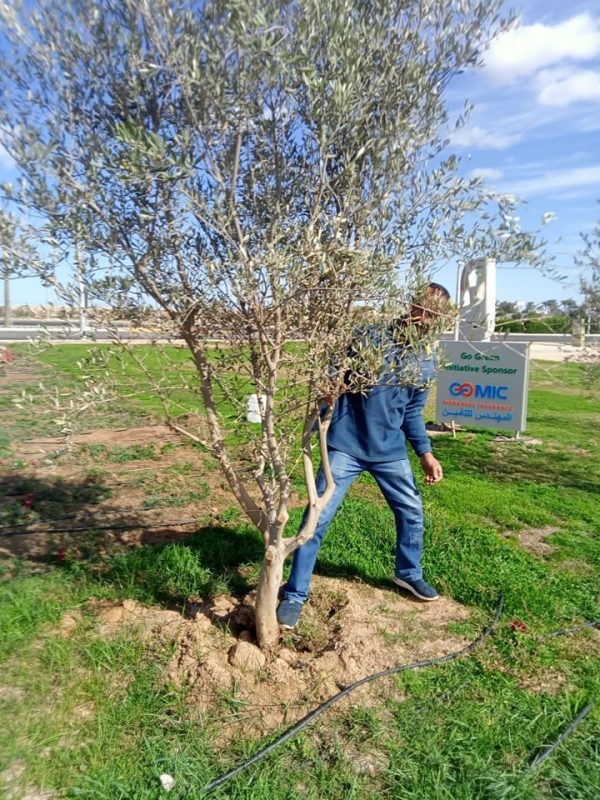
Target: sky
(534, 133)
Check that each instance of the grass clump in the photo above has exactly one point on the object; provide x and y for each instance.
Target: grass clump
(120, 455)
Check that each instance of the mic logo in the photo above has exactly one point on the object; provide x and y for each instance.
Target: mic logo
(489, 392)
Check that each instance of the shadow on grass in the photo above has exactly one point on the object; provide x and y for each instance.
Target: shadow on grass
(179, 568)
(175, 570)
(80, 524)
(39, 515)
(29, 500)
(79, 527)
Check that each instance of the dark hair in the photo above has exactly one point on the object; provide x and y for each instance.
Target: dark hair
(437, 287)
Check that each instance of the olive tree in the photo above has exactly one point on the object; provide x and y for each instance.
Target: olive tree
(256, 171)
(588, 259)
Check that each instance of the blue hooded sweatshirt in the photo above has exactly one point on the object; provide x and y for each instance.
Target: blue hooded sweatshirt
(376, 425)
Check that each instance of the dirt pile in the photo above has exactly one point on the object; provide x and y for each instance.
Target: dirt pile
(348, 631)
(150, 622)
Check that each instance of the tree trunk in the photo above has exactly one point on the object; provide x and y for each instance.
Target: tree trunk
(271, 574)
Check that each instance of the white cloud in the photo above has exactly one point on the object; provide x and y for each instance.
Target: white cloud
(476, 136)
(562, 86)
(548, 217)
(523, 51)
(487, 173)
(556, 182)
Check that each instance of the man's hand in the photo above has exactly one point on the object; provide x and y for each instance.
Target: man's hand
(432, 468)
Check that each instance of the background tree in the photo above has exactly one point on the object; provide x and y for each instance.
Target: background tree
(550, 308)
(507, 309)
(263, 171)
(570, 308)
(589, 261)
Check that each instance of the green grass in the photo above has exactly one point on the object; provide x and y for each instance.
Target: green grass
(120, 455)
(136, 378)
(94, 718)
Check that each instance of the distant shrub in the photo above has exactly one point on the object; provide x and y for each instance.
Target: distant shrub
(558, 324)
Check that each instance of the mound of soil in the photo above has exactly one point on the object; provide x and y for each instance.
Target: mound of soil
(348, 630)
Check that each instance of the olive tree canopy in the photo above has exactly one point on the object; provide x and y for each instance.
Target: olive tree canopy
(259, 171)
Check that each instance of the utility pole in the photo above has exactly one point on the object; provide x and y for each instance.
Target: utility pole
(81, 288)
(8, 241)
(7, 306)
(459, 270)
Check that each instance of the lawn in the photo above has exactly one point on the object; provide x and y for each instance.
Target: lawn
(88, 715)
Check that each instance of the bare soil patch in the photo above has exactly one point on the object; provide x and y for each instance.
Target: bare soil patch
(101, 490)
(11, 780)
(16, 374)
(99, 494)
(12, 693)
(152, 621)
(148, 434)
(522, 441)
(534, 540)
(549, 681)
(349, 630)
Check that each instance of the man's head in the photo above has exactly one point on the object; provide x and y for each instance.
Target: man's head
(430, 306)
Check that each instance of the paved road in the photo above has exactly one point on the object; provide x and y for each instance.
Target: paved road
(554, 352)
(69, 336)
(559, 349)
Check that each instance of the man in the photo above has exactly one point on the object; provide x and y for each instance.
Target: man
(368, 432)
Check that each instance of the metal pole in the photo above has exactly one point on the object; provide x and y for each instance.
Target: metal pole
(457, 322)
(7, 307)
(490, 298)
(82, 320)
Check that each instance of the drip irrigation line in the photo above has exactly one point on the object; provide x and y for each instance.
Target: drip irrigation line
(595, 623)
(91, 526)
(19, 525)
(294, 729)
(547, 751)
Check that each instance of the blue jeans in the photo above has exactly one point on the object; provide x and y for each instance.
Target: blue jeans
(397, 483)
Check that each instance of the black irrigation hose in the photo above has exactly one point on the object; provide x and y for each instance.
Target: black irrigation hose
(130, 526)
(8, 529)
(593, 624)
(547, 751)
(345, 692)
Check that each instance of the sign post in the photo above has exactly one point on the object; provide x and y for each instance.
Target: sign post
(483, 384)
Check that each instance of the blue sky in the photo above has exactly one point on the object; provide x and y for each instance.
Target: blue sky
(534, 133)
